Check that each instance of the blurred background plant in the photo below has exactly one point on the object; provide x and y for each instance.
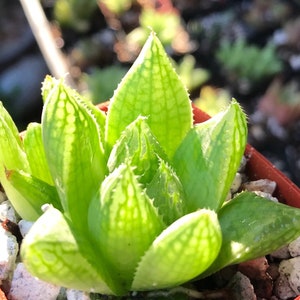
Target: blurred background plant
(221, 49)
(247, 64)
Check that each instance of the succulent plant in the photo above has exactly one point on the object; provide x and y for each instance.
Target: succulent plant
(136, 196)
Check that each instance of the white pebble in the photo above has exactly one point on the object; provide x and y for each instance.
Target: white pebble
(294, 247)
(77, 295)
(7, 211)
(262, 185)
(8, 253)
(282, 253)
(282, 288)
(25, 286)
(236, 183)
(290, 269)
(24, 226)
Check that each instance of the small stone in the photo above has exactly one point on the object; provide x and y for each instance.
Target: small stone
(281, 253)
(7, 212)
(25, 286)
(236, 183)
(262, 185)
(25, 226)
(294, 247)
(77, 295)
(8, 253)
(282, 288)
(242, 287)
(290, 269)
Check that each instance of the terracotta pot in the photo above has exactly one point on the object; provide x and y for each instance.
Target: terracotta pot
(258, 167)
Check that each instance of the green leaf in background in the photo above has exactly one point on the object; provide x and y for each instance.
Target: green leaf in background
(209, 157)
(181, 252)
(50, 252)
(138, 146)
(34, 149)
(73, 150)
(253, 226)
(123, 222)
(152, 89)
(167, 193)
(35, 191)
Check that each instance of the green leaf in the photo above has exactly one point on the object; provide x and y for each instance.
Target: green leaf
(167, 193)
(35, 191)
(181, 252)
(34, 149)
(50, 252)
(252, 227)
(49, 87)
(73, 150)
(138, 146)
(12, 157)
(209, 157)
(151, 88)
(123, 222)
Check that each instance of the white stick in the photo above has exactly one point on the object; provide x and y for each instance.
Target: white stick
(41, 30)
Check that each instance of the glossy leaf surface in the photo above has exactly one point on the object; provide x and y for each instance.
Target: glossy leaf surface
(181, 252)
(152, 89)
(34, 149)
(124, 222)
(73, 151)
(139, 147)
(209, 157)
(51, 253)
(167, 193)
(252, 227)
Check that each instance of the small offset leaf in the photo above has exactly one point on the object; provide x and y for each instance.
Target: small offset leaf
(209, 157)
(50, 252)
(123, 222)
(151, 89)
(180, 253)
(73, 150)
(34, 149)
(138, 146)
(35, 191)
(167, 193)
(252, 227)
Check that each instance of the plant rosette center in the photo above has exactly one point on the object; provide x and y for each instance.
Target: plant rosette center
(137, 195)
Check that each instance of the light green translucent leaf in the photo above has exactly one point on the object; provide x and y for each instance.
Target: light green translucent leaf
(123, 222)
(12, 157)
(138, 146)
(167, 193)
(34, 149)
(252, 227)
(181, 252)
(209, 157)
(35, 191)
(50, 252)
(73, 151)
(151, 88)
(49, 87)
